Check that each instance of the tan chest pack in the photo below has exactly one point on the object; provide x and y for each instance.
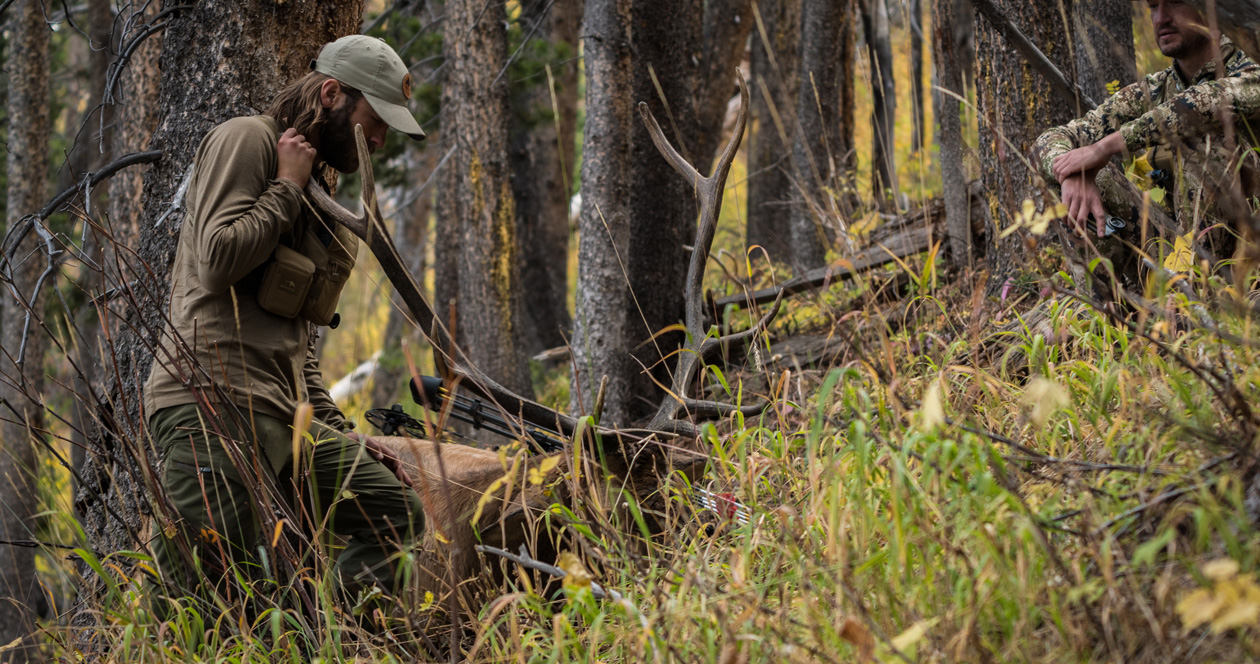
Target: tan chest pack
(306, 279)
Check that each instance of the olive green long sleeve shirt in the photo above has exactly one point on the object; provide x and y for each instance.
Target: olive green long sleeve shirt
(217, 335)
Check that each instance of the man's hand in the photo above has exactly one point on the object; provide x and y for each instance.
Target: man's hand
(296, 158)
(1089, 159)
(385, 455)
(1082, 197)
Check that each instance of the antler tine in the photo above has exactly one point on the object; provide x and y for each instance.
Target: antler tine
(737, 137)
(667, 149)
(709, 190)
(367, 184)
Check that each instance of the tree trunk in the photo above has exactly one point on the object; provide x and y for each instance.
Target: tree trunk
(1006, 86)
(1104, 45)
(726, 27)
(818, 153)
(410, 234)
(475, 109)
(775, 61)
(637, 212)
(219, 60)
(542, 163)
(21, 599)
(96, 143)
(948, 64)
(883, 100)
(916, 73)
(1239, 19)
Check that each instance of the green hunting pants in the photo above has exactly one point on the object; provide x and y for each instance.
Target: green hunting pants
(342, 495)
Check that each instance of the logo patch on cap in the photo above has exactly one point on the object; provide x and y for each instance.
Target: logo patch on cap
(406, 85)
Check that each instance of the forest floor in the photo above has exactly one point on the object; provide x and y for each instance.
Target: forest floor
(940, 476)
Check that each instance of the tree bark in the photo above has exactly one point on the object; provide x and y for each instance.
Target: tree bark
(883, 100)
(1006, 85)
(475, 109)
(1239, 19)
(818, 153)
(219, 60)
(916, 73)
(542, 163)
(774, 62)
(1104, 45)
(637, 213)
(726, 27)
(22, 387)
(948, 64)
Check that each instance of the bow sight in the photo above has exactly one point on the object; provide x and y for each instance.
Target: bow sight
(429, 392)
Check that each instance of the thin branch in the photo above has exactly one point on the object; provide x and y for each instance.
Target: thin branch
(93, 178)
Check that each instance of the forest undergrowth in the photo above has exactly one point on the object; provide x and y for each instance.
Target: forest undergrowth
(958, 479)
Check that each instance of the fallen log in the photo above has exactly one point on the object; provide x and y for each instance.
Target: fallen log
(903, 236)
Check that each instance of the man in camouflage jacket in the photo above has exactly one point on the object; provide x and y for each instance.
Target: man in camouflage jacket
(1191, 121)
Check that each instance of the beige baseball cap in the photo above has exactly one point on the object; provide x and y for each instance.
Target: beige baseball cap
(369, 65)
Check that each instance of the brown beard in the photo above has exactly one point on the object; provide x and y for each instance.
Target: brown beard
(1190, 42)
(336, 139)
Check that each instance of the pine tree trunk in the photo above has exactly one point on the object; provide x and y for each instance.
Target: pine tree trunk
(21, 598)
(775, 61)
(883, 100)
(949, 68)
(1010, 122)
(475, 110)
(818, 151)
(637, 213)
(726, 27)
(219, 60)
(542, 164)
(1104, 45)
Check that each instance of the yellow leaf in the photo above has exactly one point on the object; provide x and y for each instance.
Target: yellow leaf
(537, 475)
(428, 600)
(437, 535)
(576, 577)
(911, 636)
(1045, 397)
(1041, 222)
(1028, 211)
(486, 497)
(1239, 609)
(1157, 195)
(275, 537)
(863, 226)
(1221, 569)
(1113, 87)
(1182, 257)
(1199, 607)
(933, 410)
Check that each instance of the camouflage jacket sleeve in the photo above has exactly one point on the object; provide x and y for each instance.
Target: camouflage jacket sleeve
(1123, 107)
(1197, 111)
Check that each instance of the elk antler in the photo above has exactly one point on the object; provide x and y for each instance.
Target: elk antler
(699, 345)
(371, 229)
